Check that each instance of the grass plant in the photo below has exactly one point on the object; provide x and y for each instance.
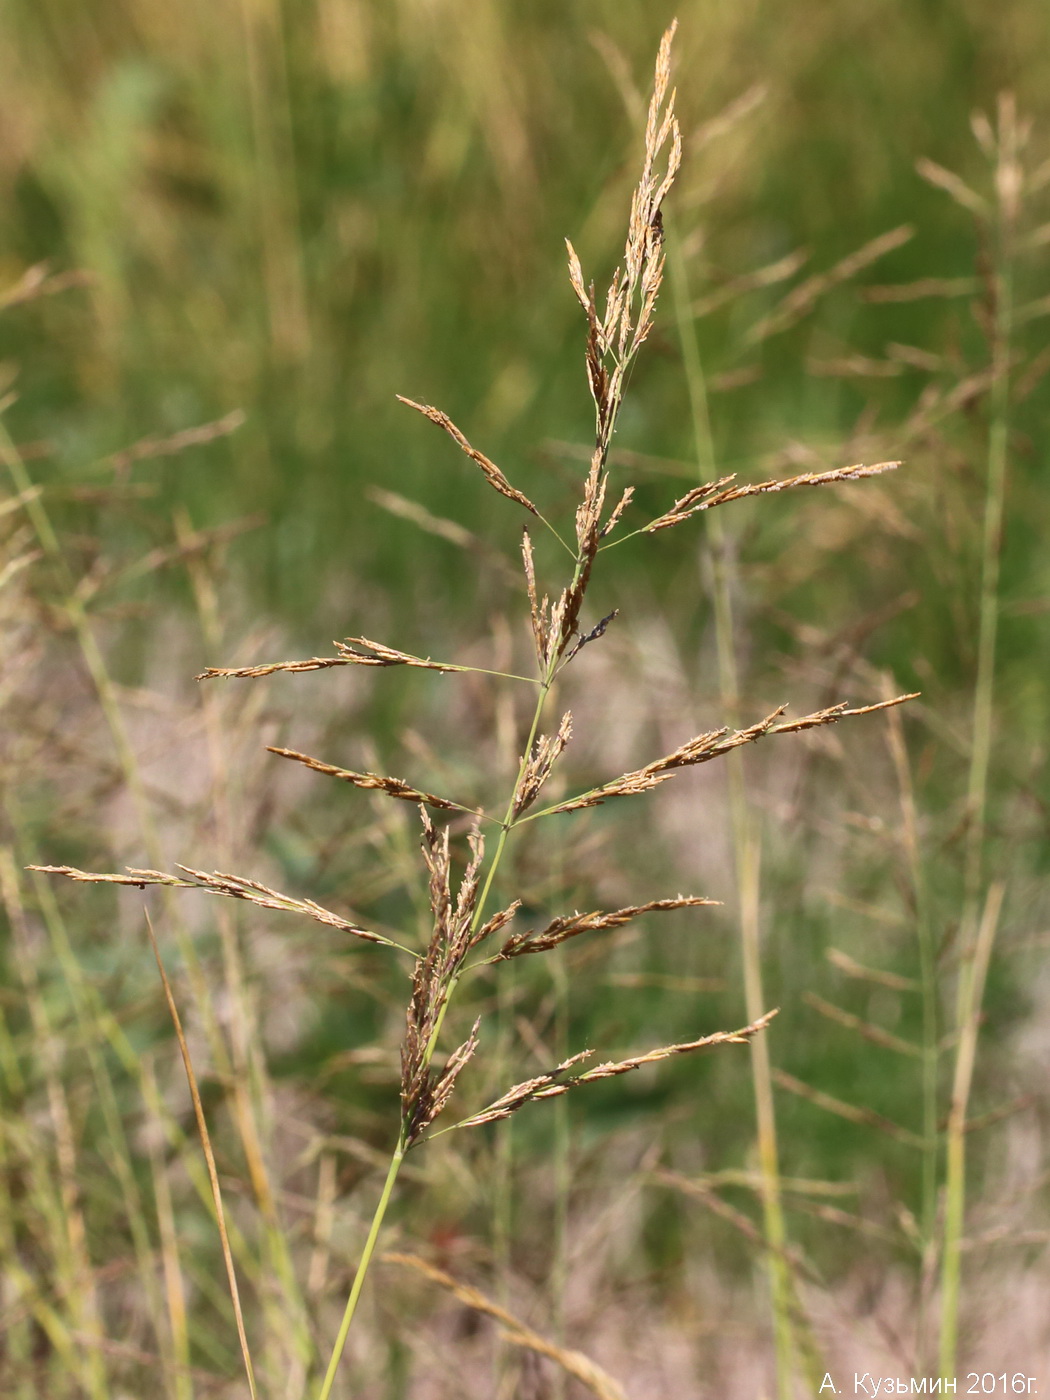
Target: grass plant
(467, 941)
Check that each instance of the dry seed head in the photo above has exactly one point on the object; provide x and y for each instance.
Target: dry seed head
(546, 752)
(633, 291)
(313, 663)
(377, 654)
(393, 787)
(719, 493)
(520, 1094)
(598, 630)
(496, 924)
(576, 278)
(451, 937)
(537, 610)
(617, 510)
(614, 303)
(558, 1081)
(350, 654)
(570, 925)
(427, 1093)
(712, 745)
(424, 1091)
(436, 855)
(217, 882)
(492, 473)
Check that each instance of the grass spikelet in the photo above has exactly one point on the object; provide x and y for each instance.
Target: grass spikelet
(373, 782)
(491, 472)
(559, 1081)
(232, 886)
(714, 744)
(350, 654)
(545, 754)
(572, 925)
(719, 493)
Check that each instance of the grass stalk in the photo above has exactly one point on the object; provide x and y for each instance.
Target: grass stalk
(396, 1160)
(65, 1213)
(209, 1156)
(991, 558)
(401, 1148)
(502, 1187)
(181, 1381)
(96, 1024)
(745, 840)
(247, 1088)
(1007, 184)
(927, 947)
(972, 979)
(562, 1168)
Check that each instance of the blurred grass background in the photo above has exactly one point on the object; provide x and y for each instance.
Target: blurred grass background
(299, 210)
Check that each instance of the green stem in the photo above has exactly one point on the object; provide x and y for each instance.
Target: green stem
(362, 1269)
(562, 1167)
(980, 758)
(401, 1149)
(984, 695)
(745, 846)
(972, 979)
(928, 981)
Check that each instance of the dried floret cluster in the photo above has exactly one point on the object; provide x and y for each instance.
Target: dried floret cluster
(462, 936)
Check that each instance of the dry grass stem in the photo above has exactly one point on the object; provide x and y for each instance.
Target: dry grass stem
(176, 442)
(443, 529)
(921, 288)
(704, 1191)
(871, 1032)
(803, 298)
(209, 1157)
(852, 1112)
(953, 185)
(767, 276)
(574, 1363)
